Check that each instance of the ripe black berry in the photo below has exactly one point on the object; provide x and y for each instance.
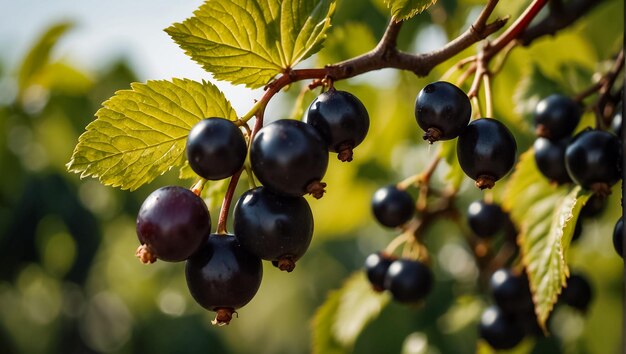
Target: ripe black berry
(408, 281)
(376, 266)
(340, 119)
(577, 293)
(618, 237)
(222, 276)
(290, 158)
(485, 219)
(172, 223)
(593, 160)
(274, 227)
(392, 207)
(550, 159)
(442, 110)
(486, 151)
(500, 330)
(595, 206)
(556, 117)
(511, 291)
(216, 148)
(616, 124)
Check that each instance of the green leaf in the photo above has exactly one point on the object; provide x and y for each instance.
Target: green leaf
(186, 172)
(533, 88)
(405, 9)
(340, 320)
(251, 41)
(455, 175)
(140, 133)
(546, 216)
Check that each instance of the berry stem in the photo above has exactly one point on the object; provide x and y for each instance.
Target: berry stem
(488, 97)
(228, 197)
(198, 186)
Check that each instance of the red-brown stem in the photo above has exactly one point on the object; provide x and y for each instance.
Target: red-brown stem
(228, 197)
(606, 82)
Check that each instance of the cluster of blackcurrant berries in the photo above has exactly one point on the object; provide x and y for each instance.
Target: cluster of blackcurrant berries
(485, 148)
(273, 222)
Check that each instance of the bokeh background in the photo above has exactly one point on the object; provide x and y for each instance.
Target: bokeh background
(69, 281)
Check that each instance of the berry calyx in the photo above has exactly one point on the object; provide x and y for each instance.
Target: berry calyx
(340, 119)
(290, 158)
(593, 160)
(273, 227)
(618, 237)
(577, 292)
(216, 148)
(172, 223)
(550, 159)
(500, 330)
(442, 110)
(556, 117)
(485, 219)
(222, 276)
(376, 266)
(486, 151)
(392, 207)
(511, 291)
(408, 281)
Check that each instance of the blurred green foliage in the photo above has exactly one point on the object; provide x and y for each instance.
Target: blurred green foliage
(69, 282)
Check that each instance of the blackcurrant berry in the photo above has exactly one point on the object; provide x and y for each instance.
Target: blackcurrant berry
(408, 281)
(392, 207)
(340, 119)
(618, 237)
(616, 124)
(172, 223)
(593, 160)
(290, 158)
(376, 266)
(216, 148)
(500, 330)
(442, 110)
(595, 206)
(550, 159)
(486, 151)
(577, 293)
(556, 117)
(485, 219)
(222, 276)
(274, 227)
(511, 291)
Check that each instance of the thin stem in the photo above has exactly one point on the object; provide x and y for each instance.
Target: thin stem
(228, 197)
(488, 97)
(198, 186)
(477, 110)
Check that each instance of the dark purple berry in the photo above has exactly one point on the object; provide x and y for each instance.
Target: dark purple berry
(616, 124)
(376, 266)
(500, 330)
(593, 160)
(550, 159)
(408, 281)
(556, 117)
(485, 219)
(171, 225)
(340, 119)
(290, 158)
(222, 276)
(486, 151)
(216, 148)
(618, 237)
(274, 227)
(577, 293)
(442, 110)
(392, 207)
(511, 291)
(595, 206)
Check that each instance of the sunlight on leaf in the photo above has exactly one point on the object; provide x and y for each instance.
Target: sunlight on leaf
(405, 9)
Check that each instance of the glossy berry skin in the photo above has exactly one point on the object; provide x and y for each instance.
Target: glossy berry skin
(392, 207)
(550, 159)
(510, 291)
(486, 151)
(340, 119)
(578, 292)
(618, 237)
(222, 276)
(216, 148)
(500, 330)
(172, 224)
(273, 227)
(616, 124)
(376, 266)
(556, 117)
(442, 110)
(408, 281)
(288, 156)
(593, 160)
(485, 219)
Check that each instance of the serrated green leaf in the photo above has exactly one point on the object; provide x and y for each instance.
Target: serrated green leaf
(455, 175)
(340, 320)
(404, 9)
(546, 216)
(140, 133)
(251, 41)
(186, 172)
(531, 89)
